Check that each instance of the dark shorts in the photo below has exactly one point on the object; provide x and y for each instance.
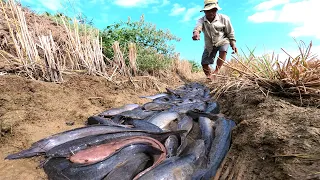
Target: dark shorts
(206, 59)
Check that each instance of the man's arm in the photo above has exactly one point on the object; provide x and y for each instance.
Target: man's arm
(231, 35)
(197, 29)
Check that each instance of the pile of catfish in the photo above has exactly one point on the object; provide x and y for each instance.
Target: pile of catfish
(179, 134)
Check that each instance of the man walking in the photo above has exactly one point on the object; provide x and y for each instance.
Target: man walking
(218, 35)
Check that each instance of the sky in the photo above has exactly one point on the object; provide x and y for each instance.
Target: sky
(263, 25)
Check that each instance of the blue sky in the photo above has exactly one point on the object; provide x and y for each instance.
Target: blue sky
(267, 25)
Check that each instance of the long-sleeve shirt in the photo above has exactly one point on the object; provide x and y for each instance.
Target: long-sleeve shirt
(217, 33)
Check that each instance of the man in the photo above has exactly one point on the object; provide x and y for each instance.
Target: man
(218, 35)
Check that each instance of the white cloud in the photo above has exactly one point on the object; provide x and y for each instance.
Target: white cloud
(190, 13)
(264, 16)
(270, 4)
(100, 2)
(135, 3)
(155, 9)
(316, 50)
(177, 10)
(27, 1)
(141, 3)
(307, 29)
(302, 13)
(283, 54)
(198, 17)
(286, 54)
(186, 13)
(53, 5)
(64, 6)
(165, 2)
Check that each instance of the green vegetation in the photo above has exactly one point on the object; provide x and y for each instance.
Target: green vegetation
(148, 60)
(154, 51)
(196, 67)
(154, 48)
(144, 34)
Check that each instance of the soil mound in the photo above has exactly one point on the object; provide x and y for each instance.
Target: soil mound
(274, 139)
(38, 25)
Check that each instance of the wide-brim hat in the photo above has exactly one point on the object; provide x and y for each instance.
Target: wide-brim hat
(210, 4)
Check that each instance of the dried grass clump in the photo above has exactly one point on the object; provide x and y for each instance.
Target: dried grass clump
(123, 64)
(27, 56)
(40, 57)
(297, 77)
(133, 58)
(71, 47)
(183, 67)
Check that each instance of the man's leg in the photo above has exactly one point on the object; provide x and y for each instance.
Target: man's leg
(220, 60)
(205, 62)
(222, 57)
(206, 69)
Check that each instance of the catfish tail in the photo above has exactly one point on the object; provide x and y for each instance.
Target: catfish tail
(33, 151)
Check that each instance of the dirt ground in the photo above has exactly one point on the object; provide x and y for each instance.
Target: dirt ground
(267, 127)
(274, 139)
(31, 110)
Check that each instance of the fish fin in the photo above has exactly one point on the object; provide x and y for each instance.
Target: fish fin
(43, 163)
(33, 151)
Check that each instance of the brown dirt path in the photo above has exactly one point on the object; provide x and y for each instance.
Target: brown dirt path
(31, 110)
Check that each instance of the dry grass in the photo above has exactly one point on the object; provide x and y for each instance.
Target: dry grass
(133, 58)
(27, 56)
(118, 63)
(182, 67)
(40, 57)
(118, 58)
(52, 64)
(311, 157)
(45, 57)
(83, 50)
(185, 69)
(297, 77)
(48, 57)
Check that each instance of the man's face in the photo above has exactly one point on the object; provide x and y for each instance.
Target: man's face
(210, 14)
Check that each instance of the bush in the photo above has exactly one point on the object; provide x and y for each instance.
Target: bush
(149, 61)
(196, 67)
(142, 33)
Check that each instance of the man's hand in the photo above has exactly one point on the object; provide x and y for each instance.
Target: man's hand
(234, 47)
(196, 36)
